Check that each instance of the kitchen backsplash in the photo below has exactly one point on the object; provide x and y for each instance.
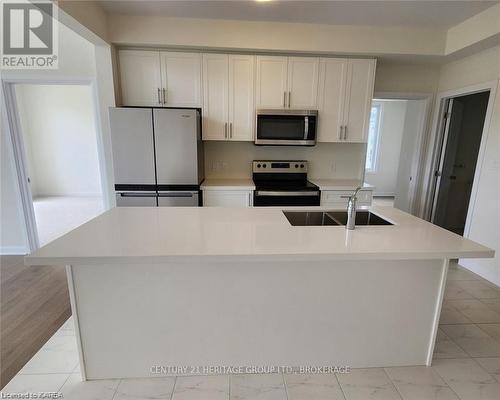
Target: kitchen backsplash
(326, 160)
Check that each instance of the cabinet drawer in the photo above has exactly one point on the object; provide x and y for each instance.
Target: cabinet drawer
(227, 198)
(340, 197)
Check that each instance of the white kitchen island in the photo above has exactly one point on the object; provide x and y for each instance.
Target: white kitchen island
(241, 287)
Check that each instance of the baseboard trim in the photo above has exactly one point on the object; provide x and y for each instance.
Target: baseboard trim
(14, 250)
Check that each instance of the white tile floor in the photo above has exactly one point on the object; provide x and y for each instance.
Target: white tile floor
(466, 365)
(57, 215)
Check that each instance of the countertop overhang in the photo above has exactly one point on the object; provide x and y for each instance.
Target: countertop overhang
(177, 234)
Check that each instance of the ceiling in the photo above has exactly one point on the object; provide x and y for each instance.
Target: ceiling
(423, 13)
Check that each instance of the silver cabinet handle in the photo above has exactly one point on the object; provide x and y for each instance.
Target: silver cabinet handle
(340, 132)
(289, 97)
(284, 99)
(159, 96)
(345, 132)
(231, 130)
(164, 95)
(225, 130)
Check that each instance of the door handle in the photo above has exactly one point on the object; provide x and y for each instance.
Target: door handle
(284, 99)
(164, 95)
(175, 195)
(289, 97)
(341, 127)
(225, 130)
(345, 132)
(231, 130)
(159, 96)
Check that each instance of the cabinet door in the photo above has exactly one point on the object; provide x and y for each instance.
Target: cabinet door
(360, 80)
(181, 78)
(227, 198)
(140, 77)
(271, 85)
(215, 96)
(332, 90)
(241, 97)
(302, 82)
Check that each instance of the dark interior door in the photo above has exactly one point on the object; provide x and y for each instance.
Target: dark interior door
(460, 149)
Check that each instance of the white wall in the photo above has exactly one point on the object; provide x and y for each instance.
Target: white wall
(276, 36)
(392, 121)
(413, 126)
(60, 138)
(326, 160)
(409, 78)
(485, 217)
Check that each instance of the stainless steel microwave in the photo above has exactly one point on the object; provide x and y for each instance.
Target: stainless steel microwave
(286, 127)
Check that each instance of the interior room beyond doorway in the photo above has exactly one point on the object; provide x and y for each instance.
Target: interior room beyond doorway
(393, 150)
(58, 133)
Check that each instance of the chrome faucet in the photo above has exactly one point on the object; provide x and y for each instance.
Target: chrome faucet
(351, 209)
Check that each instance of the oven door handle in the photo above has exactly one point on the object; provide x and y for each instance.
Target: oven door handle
(306, 127)
(285, 193)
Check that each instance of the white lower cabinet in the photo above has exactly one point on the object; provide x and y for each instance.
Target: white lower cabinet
(338, 198)
(227, 198)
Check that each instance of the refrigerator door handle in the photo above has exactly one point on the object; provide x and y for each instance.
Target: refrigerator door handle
(176, 194)
(135, 194)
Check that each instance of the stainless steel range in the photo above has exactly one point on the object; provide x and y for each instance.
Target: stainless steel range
(283, 183)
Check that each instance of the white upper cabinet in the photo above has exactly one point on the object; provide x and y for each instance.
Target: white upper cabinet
(152, 78)
(215, 96)
(181, 77)
(345, 96)
(271, 85)
(228, 97)
(140, 77)
(241, 97)
(287, 82)
(331, 97)
(359, 94)
(302, 82)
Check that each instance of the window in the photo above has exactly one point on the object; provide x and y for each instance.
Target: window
(373, 139)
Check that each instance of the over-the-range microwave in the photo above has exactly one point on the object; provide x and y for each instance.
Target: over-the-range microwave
(286, 127)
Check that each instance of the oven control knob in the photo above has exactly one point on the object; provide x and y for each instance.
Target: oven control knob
(258, 165)
(264, 166)
(296, 165)
(301, 165)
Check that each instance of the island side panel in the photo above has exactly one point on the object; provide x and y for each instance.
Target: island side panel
(357, 313)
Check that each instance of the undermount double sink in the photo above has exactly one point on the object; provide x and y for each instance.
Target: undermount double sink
(321, 218)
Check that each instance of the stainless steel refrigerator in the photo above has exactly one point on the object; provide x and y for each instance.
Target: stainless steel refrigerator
(157, 156)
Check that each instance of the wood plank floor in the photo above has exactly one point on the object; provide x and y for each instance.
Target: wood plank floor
(34, 303)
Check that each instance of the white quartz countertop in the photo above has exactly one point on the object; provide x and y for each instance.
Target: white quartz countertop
(162, 234)
(340, 184)
(228, 184)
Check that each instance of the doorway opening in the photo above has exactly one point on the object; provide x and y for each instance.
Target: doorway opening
(57, 130)
(396, 130)
(459, 146)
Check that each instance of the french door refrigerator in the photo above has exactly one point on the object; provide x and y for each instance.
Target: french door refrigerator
(157, 156)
